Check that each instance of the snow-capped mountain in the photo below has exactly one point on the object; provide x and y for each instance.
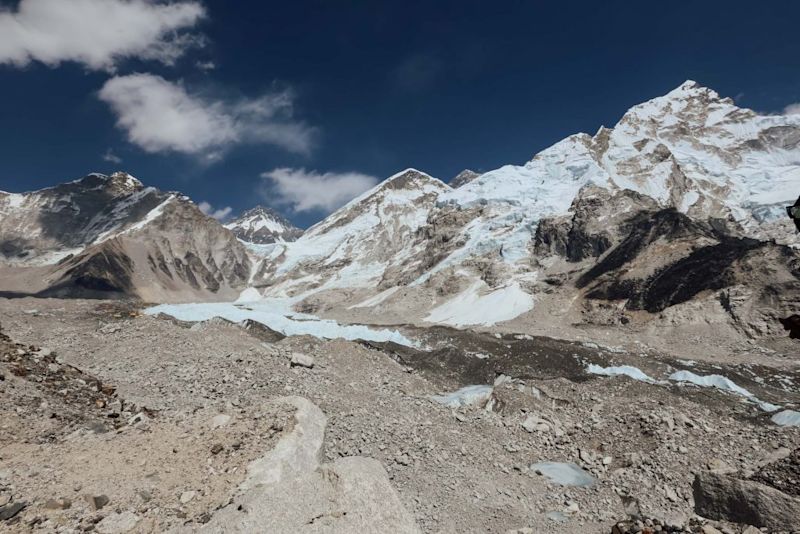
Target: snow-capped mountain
(372, 238)
(677, 174)
(673, 216)
(112, 236)
(261, 225)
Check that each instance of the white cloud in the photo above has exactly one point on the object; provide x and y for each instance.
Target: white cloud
(97, 33)
(162, 116)
(205, 66)
(220, 214)
(110, 157)
(792, 109)
(309, 190)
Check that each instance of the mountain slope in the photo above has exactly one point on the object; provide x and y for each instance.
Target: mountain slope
(359, 245)
(679, 179)
(109, 236)
(263, 226)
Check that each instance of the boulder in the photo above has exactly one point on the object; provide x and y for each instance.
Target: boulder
(290, 490)
(723, 497)
(118, 523)
(302, 360)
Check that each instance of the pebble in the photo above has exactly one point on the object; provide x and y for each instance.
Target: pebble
(220, 420)
(97, 501)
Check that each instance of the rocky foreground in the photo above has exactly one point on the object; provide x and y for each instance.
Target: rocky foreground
(113, 421)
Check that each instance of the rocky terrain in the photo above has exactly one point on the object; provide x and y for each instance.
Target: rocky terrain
(141, 423)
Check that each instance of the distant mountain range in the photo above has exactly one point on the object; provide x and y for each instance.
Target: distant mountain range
(676, 212)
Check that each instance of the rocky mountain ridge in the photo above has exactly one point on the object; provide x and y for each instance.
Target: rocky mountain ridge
(674, 214)
(110, 236)
(684, 183)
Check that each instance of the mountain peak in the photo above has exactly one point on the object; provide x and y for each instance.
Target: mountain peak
(118, 183)
(462, 178)
(262, 225)
(409, 179)
(691, 88)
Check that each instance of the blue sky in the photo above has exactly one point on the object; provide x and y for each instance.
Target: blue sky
(300, 105)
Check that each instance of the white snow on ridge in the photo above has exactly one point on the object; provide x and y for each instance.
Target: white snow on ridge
(278, 315)
(621, 370)
(377, 299)
(472, 308)
(714, 381)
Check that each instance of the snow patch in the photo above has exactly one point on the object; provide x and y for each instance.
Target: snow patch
(278, 315)
(712, 381)
(471, 308)
(787, 418)
(564, 474)
(621, 370)
(466, 396)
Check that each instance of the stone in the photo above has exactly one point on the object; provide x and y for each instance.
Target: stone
(586, 456)
(97, 501)
(58, 504)
(530, 422)
(118, 523)
(671, 494)
(220, 420)
(140, 417)
(751, 530)
(708, 529)
(217, 448)
(723, 497)
(715, 465)
(187, 496)
(9, 511)
(302, 360)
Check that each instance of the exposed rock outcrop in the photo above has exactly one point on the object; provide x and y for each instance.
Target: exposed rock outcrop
(719, 496)
(290, 490)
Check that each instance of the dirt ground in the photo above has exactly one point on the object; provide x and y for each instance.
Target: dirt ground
(97, 399)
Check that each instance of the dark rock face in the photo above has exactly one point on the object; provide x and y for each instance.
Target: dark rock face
(706, 268)
(792, 324)
(464, 177)
(592, 228)
(783, 475)
(102, 273)
(725, 497)
(642, 230)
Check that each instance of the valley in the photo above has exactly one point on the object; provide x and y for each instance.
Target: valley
(595, 341)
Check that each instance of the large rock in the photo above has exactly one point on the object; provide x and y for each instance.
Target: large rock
(289, 490)
(723, 497)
